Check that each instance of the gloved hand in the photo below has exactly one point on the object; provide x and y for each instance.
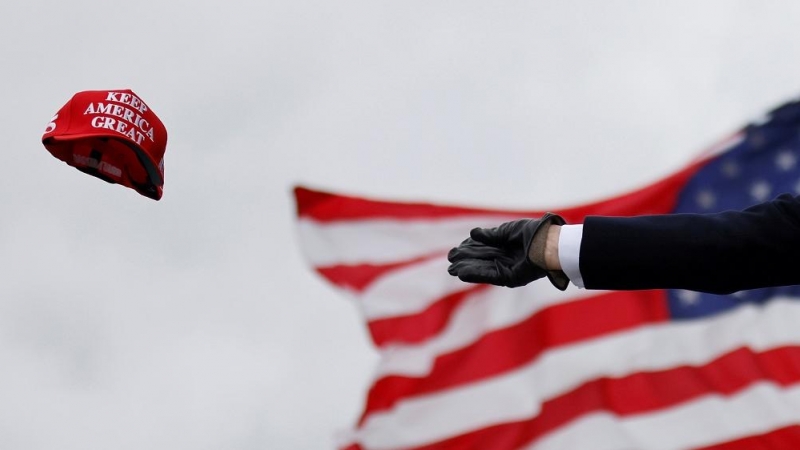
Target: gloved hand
(502, 255)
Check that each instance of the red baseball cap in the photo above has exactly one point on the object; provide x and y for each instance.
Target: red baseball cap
(112, 135)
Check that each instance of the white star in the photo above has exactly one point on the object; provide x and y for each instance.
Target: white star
(689, 298)
(786, 160)
(730, 169)
(706, 199)
(760, 190)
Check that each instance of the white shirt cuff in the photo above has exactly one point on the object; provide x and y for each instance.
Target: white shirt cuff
(569, 249)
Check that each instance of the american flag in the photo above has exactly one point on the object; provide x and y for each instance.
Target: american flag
(465, 366)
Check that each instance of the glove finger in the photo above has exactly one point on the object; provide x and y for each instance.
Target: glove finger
(453, 269)
(457, 250)
(473, 250)
(476, 271)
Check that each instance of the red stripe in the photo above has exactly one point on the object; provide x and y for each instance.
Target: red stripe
(659, 197)
(787, 438)
(656, 198)
(512, 347)
(418, 327)
(329, 207)
(359, 276)
(640, 393)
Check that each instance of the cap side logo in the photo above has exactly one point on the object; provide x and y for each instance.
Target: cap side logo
(52, 125)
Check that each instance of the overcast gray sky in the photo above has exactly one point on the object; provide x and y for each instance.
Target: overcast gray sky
(194, 322)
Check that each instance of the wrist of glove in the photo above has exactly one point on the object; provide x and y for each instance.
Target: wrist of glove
(537, 248)
(510, 255)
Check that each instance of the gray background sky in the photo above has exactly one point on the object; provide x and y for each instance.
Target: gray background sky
(194, 322)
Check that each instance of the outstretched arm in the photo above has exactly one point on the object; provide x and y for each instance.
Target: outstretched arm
(720, 253)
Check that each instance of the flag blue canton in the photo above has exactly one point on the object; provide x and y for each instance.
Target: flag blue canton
(763, 165)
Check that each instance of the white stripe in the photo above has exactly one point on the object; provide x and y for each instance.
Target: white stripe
(713, 419)
(482, 313)
(384, 241)
(667, 345)
(409, 290)
(516, 395)
(431, 418)
(498, 308)
(414, 288)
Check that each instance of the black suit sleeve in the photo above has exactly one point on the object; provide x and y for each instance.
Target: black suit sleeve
(719, 253)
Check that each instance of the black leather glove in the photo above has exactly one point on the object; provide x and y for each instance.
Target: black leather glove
(502, 255)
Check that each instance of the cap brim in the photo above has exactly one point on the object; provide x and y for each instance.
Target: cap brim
(153, 189)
